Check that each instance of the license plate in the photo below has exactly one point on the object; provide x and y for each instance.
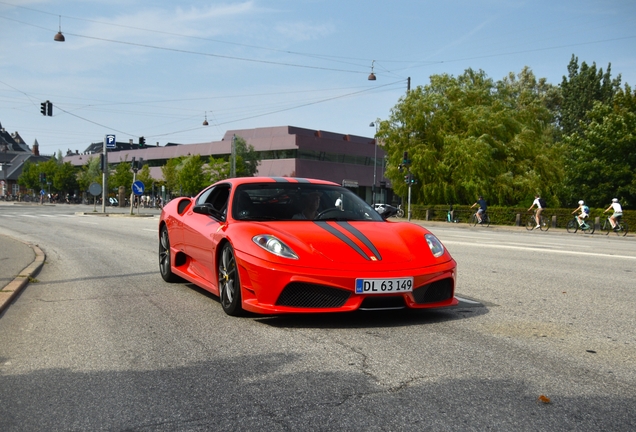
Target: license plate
(384, 286)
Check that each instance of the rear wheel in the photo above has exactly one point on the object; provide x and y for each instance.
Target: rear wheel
(165, 259)
(400, 213)
(622, 229)
(572, 226)
(229, 283)
(545, 224)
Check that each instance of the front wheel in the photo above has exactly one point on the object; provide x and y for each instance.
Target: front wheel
(165, 260)
(572, 226)
(400, 213)
(531, 223)
(229, 283)
(607, 227)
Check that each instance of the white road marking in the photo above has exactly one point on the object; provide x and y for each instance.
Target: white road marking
(541, 249)
(461, 299)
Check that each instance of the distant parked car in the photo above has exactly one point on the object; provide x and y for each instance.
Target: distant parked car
(386, 210)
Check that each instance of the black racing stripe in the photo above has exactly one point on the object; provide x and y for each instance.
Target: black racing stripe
(280, 179)
(364, 239)
(324, 225)
(302, 180)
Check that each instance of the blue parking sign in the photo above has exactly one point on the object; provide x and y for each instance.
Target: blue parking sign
(110, 141)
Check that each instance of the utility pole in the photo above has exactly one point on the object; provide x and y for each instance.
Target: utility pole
(104, 178)
(233, 157)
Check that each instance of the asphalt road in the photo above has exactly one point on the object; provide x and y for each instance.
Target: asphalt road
(100, 342)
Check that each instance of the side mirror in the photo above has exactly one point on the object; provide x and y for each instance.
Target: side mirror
(207, 209)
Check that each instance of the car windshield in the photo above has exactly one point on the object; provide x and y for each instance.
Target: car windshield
(299, 202)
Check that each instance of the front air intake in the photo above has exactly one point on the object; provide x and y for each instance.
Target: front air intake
(306, 295)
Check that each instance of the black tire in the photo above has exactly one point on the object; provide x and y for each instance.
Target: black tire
(622, 231)
(229, 283)
(591, 227)
(165, 258)
(485, 220)
(531, 223)
(545, 224)
(474, 220)
(572, 226)
(400, 213)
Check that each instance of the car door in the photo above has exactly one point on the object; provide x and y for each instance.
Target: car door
(199, 232)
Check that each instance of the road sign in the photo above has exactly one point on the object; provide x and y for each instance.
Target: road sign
(138, 187)
(95, 189)
(110, 141)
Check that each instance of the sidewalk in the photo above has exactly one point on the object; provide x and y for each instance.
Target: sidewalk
(19, 262)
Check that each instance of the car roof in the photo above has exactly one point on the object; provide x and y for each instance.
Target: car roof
(251, 180)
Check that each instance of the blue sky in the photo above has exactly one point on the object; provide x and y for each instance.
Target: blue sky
(158, 68)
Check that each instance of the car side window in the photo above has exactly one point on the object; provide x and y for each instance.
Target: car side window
(217, 196)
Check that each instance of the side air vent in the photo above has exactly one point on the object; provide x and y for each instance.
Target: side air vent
(438, 291)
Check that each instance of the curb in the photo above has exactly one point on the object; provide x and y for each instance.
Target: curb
(9, 292)
(115, 214)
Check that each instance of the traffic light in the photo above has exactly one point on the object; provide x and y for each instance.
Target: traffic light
(46, 108)
(142, 141)
(133, 164)
(43, 177)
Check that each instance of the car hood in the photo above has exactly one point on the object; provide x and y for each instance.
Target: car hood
(378, 245)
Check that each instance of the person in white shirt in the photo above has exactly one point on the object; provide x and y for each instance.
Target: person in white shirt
(618, 212)
(585, 211)
(537, 216)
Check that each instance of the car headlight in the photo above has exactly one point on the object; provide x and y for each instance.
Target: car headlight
(273, 245)
(436, 246)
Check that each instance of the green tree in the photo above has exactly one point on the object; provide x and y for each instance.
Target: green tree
(65, 177)
(247, 159)
(170, 173)
(468, 136)
(584, 86)
(89, 173)
(143, 175)
(601, 160)
(122, 176)
(192, 177)
(30, 176)
(218, 169)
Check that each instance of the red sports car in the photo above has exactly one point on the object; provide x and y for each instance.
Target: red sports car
(275, 245)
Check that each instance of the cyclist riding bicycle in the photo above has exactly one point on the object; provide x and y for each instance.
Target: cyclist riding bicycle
(481, 202)
(540, 203)
(585, 212)
(618, 212)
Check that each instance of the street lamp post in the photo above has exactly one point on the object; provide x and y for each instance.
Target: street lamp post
(375, 159)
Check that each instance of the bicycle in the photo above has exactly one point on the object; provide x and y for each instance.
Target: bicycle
(573, 226)
(400, 211)
(621, 227)
(531, 223)
(485, 219)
